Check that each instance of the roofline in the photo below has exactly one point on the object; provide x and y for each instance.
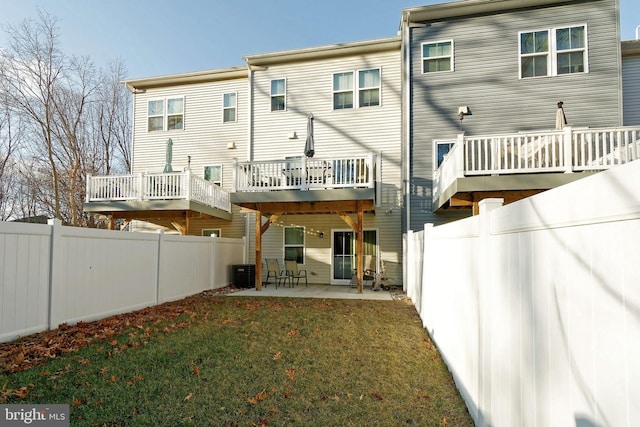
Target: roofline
(322, 52)
(187, 78)
(470, 7)
(630, 47)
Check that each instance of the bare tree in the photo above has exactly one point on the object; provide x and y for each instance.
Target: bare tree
(113, 119)
(77, 118)
(32, 68)
(8, 145)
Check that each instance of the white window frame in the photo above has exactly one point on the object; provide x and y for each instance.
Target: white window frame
(297, 245)
(160, 115)
(207, 232)
(214, 165)
(165, 113)
(584, 49)
(367, 88)
(553, 52)
(436, 151)
(352, 91)
(356, 89)
(450, 56)
(548, 54)
(234, 107)
(272, 95)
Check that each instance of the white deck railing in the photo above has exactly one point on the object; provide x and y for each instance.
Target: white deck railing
(569, 150)
(302, 173)
(157, 186)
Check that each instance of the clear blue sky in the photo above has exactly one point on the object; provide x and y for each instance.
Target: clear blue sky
(167, 36)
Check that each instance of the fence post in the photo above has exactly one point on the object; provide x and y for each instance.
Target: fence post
(55, 263)
(459, 162)
(425, 272)
(409, 281)
(234, 175)
(160, 233)
(188, 179)
(567, 138)
(87, 189)
(141, 186)
(484, 301)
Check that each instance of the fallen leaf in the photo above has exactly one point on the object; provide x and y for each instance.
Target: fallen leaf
(196, 371)
(291, 373)
(187, 397)
(293, 332)
(277, 356)
(377, 396)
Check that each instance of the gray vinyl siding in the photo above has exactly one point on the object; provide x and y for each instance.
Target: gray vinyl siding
(486, 78)
(204, 137)
(631, 90)
(336, 132)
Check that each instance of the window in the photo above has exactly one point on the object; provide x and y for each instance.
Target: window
(278, 95)
(369, 87)
(175, 109)
(214, 174)
(553, 52)
(216, 232)
(294, 244)
(437, 56)
(534, 54)
(229, 107)
(158, 119)
(442, 149)
(342, 90)
(571, 50)
(155, 115)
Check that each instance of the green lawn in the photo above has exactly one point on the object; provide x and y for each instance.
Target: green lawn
(215, 360)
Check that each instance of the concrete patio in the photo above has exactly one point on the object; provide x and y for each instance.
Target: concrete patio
(315, 291)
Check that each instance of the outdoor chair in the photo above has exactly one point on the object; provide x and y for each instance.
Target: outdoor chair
(368, 271)
(273, 270)
(295, 273)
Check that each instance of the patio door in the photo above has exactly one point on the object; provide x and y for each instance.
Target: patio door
(343, 247)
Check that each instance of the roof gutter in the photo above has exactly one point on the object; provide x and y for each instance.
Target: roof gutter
(472, 7)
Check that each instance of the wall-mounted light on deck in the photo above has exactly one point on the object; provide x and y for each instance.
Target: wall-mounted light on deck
(293, 135)
(462, 112)
(231, 146)
(321, 235)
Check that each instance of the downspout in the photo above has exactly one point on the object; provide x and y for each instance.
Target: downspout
(247, 216)
(133, 127)
(406, 117)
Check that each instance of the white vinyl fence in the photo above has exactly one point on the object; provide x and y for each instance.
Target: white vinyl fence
(535, 306)
(51, 274)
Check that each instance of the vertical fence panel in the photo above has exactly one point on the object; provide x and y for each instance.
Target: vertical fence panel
(557, 302)
(24, 279)
(50, 274)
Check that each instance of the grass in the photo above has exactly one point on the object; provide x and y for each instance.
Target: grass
(245, 361)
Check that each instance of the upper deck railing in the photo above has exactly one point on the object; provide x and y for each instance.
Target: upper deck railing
(565, 151)
(157, 186)
(302, 173)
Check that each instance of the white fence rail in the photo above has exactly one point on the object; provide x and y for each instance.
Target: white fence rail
(535, 306)
(157, 186)
(569, 150)
(302, 173)
(50, 274)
